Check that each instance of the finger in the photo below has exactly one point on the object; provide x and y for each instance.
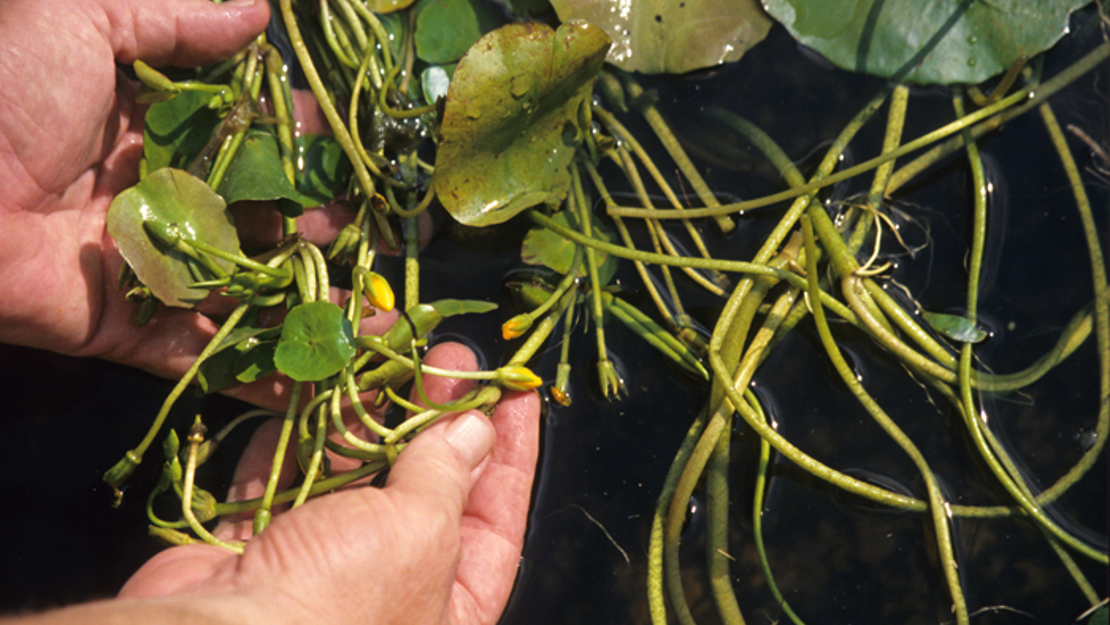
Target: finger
(496, 514)
(177, 570)
(435, 469)
(453, 357)
(465, 434)
(182, 32)
(251, 476)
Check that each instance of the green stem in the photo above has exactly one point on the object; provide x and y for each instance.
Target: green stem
(1101, 305)
(716, 544)
(263, 515)
(757, 516)
(678, 155)
(120, 472)
(937, 505)
(657, 541)
(818, 184)
(342, 136)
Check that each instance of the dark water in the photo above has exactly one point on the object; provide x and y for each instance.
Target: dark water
(836, 560)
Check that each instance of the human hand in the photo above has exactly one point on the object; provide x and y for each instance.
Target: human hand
(439, 543)
(70, 140)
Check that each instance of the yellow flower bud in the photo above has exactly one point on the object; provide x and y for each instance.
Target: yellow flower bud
(378, 291)
(518, 378)
(516, 326)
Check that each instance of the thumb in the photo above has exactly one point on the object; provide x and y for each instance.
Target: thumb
(183, 32)
(439, 464)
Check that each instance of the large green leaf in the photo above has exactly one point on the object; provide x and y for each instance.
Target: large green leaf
(256, 173)
(173, 201)
(544, 247)
(510, 124)
(445, 29)
(177, 130)
(672, 36)
(940, 41)
(316, 342)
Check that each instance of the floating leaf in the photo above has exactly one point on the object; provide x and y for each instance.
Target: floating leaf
(943, 41)
(671, 36)
(510, 124)
(445, 29)
(177, 130)
(955, 327)
(545, 247)
(316, 342)
(170, 199)
(256, 173)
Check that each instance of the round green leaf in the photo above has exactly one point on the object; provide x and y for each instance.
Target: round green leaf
(672, 36)
(544, 247)
(445, 29)
(172, 200)
(942, 41)
(510, 123)
(316, 342)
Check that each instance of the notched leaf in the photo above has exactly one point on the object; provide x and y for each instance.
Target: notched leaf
(502, 139)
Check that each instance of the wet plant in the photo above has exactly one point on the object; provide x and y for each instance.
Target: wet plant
(503, 124)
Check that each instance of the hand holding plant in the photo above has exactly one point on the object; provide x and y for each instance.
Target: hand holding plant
(70, 140)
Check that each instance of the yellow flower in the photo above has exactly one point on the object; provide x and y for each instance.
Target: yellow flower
(516, 326)
(378, 291)
(518, 378)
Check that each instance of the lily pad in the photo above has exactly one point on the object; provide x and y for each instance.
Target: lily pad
(955, 327)
(172, 200)
(943, 41)
(256, 172)
(445, 29)
(672, 36)
(544, 247)
(510, 122)
(316, 342)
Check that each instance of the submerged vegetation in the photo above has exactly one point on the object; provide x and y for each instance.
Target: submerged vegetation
(453, 104)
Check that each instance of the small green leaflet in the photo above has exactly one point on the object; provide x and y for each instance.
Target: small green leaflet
(317, 341)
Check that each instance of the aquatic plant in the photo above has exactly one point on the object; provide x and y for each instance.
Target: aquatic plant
(518, 134)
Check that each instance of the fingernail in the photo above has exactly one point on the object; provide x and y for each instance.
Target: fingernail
(472, 436)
